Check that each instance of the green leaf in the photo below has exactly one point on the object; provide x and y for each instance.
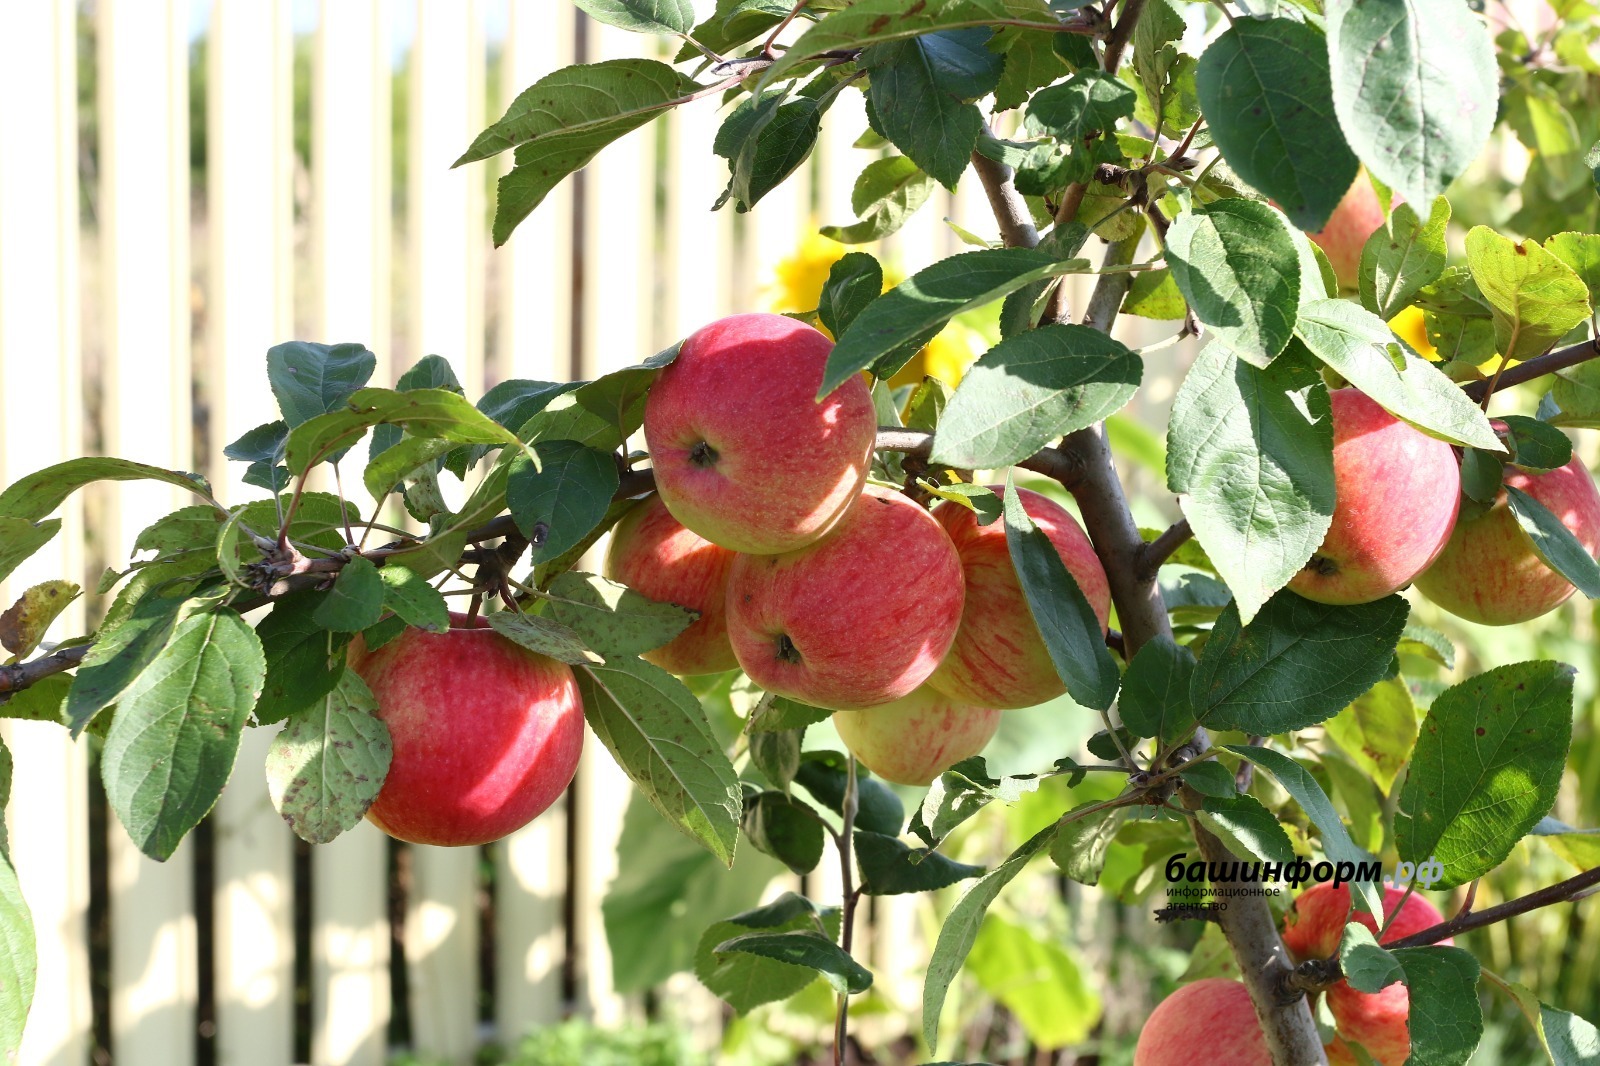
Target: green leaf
(668, 17)
(418, 603)
(543, 635)
(1535, 297)
(657, 731)
(1251, 454)
(1401, 257)
(1154, 294)
(1071, 632)
(1249, 829)
(1555, 543)
(1368, 967)
(1414, 87)
(19, 960)
(356, 599)
(1445, 1019)
(119, 657)
(42, 701)
(326, 765)
(1155, 691)
(176, 732)
(1079, 849)
(1486, 768)
(890, 867)
(310, 379)
(20, 538)
(1032, 389)
(401, 460)
(1298, 663)
(765, 140)
(747, 981)
(1567, 1039)
(886, 193)
(1378, 730)
(776, 754)
(560, 494)
(1581, 252)
(1037, 980)
(1267, 95)
(1304, 790)
(804, 948)
(41, 492)
(961, 926)
(304, 660)
(913, 312)
(734, 22)
(825, 774)
(1240, 272)
(1086, 104)
(1537, 446)
(1212, 779)
(1031, 62)
(421, 412)
(613, 619)
(919, 92)
(1418, 639)
(853, 282)
(784, 828)
(1360, 347)
(959, 793)
(776, 714)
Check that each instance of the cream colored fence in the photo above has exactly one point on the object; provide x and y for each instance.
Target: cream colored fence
(139, 292)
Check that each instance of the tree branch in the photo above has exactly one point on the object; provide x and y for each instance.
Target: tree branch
(1121, 34)
(20, 676)
(1016, 223)
(1548, 363)
(1158, 551)
(1560, 892)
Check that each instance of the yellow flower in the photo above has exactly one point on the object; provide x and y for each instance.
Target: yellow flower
(1409, 326)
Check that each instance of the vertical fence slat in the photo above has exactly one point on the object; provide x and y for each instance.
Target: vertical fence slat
(351, 239)
(144, 219)
(699, 244)
(42, 424)
(445, 234)
(249, 94)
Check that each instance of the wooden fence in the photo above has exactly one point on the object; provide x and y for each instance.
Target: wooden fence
(139, 292)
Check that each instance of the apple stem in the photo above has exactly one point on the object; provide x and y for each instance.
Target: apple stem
(847, 921)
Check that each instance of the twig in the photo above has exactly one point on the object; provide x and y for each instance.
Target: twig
(1158, 551)
(1536, 368)
(19, 676)
(772, 38)
(1560, 892)
(1010, 211)
(1121, 34)
(847, 922)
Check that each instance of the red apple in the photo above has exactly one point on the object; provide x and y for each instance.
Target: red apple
(858, 619)
(486, 733)
(652, 553)
(1207, 1021)
(1489, 572)
(1396, 492)
(999, 657)
(743, 453)
(915, 739)
(1378, 1021)
(1357, 216)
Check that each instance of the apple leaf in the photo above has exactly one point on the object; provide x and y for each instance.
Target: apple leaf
(1238, 269)
(311, 379)
(960, 929)
(1267, 94)
(1368, 967)
(765, 140)
(1155, 691)
(665, 17)
(1032, 389)
(1251, 454)
(43, 701)
(657, 731)
(1031, 971)
(19, 960)
(24, 624)
(1378, 730)
(808, 948)
(784, 828)
(418, 603)
(1567, 1039)
(1304, 790)
(853, 282)
(1534, 297)
(400, 460)
(889, 866)
(1402, 256)
(1361, 348)
(1537, 446)
(327, 764)
(1445, 1020)
(746, 981)
(1153, 294)
(734, 22)
(559, 494)
(1079, 850)
(886, 193)
(36, 495)
(778, 714)
(543, 635)
(304, 660)
(1086, 104)
(176, 732)
(611, 618)
(1415, 88)
(356, 599)
(1486, 768)
(902, 320)
(1555, 543)
(1325, 655)
(1581, 252)
(825, 774)
(1246, 827)
(920, 90)
(1211, 778)
(421, 412)
(20, 538)
(961, 792)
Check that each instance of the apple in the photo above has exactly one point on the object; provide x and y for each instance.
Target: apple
(1489, 572)
(1209, 1020)
(486, 733)
(1375, 1020)
(915, 739)
(743, 453)
(858, 619)
(1396, 493)
(653, 554)
(999, 658)
(1357, 217)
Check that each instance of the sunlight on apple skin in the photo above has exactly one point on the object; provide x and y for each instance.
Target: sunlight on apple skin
(1489, 572)
(1397, 491)
(653, 554)
(999, 658)
(913, 740)
(859, 618)
(1207, 1021)
(781, 468)
(486, 733)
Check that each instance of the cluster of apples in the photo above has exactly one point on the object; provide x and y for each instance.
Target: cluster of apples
(911, 625)
(1218, 1010)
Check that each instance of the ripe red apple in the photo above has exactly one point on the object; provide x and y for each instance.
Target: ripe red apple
(652, 553)
(1489, 572)
(1396, 493)
(1357, 216)
(858, 619)
(743, 453)
(1375, 1020)
(486, 733)
(999, 658)
(915, 739)
(1211, 1020)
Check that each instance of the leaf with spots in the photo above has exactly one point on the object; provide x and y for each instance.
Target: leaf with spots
(24, 624)
(326, 765)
